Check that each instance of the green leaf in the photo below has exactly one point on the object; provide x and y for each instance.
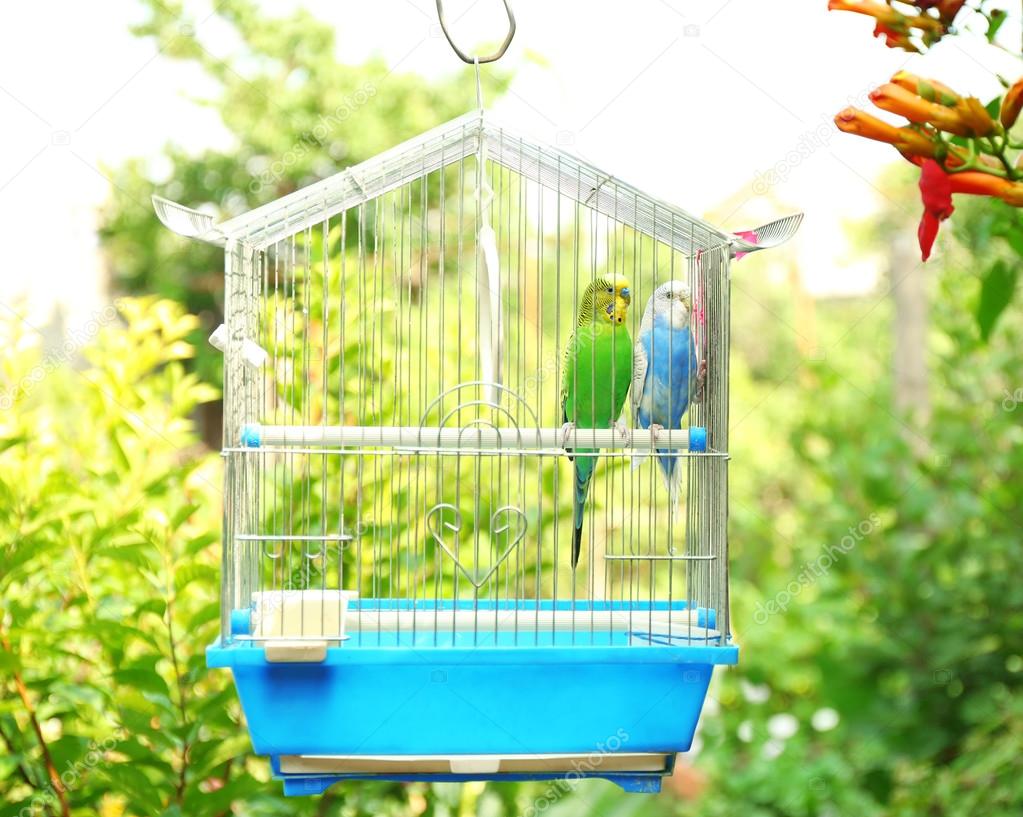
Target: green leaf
(68, 751)
(129, 779)
(18, 555)
(1012, 231)
(142, 679)
(995, 18)
(204, 615)
(996, 289)
(9, 663)
(188, 573)
(195, 545)
(122, 456)
(138, 554)
(182, 515)
(155, 605)
(9, 764)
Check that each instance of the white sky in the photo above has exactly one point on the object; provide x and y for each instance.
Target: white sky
(691, 101)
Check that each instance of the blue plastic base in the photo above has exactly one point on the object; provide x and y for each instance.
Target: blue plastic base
(381, 693)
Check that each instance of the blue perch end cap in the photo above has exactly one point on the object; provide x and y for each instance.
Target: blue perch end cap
(251, 435)
(241, 621)
(706, 617)
(697, 439)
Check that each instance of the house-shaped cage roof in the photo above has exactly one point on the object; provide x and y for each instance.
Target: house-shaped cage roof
(551, 167)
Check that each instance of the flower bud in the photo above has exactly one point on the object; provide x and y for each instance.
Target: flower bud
(1012, 102)
(975, 116)
(948, 9)
(929, 89)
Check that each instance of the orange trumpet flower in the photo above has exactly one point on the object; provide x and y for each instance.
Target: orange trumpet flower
(872, 8)
(984, 184)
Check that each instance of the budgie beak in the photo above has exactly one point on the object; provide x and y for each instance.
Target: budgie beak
(621, 308)
(687, 301)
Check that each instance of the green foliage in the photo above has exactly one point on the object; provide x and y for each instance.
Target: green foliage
(911, 631)
(994, 232)
(109, 582)
(109, 519)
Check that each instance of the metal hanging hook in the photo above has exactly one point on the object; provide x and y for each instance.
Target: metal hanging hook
(478, 60)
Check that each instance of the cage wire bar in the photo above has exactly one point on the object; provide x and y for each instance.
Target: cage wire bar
(381, 490)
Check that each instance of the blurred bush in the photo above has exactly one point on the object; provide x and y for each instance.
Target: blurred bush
(110, 531)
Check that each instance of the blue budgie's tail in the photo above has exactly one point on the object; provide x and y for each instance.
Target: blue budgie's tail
(583, 471)
(672, 470)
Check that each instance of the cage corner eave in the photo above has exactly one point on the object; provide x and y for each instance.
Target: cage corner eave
(398, 598)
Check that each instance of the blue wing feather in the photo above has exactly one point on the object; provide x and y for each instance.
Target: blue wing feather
(671, 369)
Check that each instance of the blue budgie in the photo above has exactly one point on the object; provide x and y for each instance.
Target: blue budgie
(666, 376)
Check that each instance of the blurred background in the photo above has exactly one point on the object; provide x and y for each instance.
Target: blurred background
(876, 414)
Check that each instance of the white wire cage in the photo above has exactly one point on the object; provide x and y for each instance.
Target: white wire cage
(398, 471)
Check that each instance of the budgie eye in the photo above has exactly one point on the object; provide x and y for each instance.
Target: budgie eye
(611, 289)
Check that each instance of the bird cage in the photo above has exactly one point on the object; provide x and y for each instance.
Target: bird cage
(439, 562)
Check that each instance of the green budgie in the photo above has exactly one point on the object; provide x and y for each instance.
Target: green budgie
(598, 371)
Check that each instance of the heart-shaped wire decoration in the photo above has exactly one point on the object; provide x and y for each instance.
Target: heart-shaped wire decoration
(514, 524)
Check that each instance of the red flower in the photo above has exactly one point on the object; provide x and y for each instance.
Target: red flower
(936, 193)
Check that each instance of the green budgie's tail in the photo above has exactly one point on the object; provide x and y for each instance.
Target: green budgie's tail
(583, 473)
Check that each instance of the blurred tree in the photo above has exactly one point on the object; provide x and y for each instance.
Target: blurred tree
(297, 114)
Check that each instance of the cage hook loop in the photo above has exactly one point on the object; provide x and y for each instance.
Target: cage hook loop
(477, 59)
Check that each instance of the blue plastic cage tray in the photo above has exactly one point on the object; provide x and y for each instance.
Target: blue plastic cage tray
(490, 704)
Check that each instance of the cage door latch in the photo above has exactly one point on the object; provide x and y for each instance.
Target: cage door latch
(252, 353)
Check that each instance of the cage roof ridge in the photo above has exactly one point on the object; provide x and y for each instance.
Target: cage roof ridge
(551, 167)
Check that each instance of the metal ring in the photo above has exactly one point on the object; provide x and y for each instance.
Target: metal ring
(481, 60)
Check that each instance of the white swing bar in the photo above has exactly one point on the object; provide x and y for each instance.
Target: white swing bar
(255, 435)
